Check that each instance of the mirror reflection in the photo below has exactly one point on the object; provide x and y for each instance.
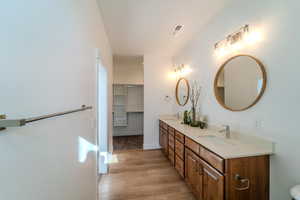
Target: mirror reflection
(182, 91)
(240, 83)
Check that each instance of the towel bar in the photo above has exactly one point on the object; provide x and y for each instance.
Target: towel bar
(4, 123)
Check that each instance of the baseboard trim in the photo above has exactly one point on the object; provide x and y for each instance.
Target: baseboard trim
(151, 146)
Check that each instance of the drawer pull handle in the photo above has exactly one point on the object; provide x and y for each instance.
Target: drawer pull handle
(195, 168)
(178, 137)
(243, 181)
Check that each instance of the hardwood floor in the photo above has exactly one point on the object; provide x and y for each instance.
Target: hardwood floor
(142, 175)
(128, 142)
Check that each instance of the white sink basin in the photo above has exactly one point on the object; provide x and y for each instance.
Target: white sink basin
(218, 140)
(207, 136)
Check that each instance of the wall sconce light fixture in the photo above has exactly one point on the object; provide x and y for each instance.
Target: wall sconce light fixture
(182, 70)
(237, 41)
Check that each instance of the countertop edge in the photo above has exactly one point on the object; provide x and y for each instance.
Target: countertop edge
(225, 156)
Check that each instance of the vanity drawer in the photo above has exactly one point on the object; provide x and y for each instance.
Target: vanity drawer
(164, 131)
(164, 125)
(171, 141)
(171, 131)
(192, 145)
(179, 149)
(171, 156)
(213, 159)
(179, 136)
(179, 165)
(160, 124)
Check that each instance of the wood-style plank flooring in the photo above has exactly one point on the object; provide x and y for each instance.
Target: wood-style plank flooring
(142, 175)
(128, 142)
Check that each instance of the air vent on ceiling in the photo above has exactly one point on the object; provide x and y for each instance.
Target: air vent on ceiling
(177, 29)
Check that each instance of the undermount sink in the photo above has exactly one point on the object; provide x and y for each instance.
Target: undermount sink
(207, 136)
(218, 140)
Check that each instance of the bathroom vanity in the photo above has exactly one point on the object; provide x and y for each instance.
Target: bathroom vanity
(215, 167)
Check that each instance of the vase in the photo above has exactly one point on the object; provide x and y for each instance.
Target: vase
(193, 115)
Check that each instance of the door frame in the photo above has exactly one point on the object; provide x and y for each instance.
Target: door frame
(102, 116)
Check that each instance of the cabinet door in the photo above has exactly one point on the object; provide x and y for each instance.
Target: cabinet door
(193, 173)
(161, 137)
(248, 178)
(165, 144)
(213, 184)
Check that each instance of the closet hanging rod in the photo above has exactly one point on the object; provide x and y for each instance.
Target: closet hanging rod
(4, 123)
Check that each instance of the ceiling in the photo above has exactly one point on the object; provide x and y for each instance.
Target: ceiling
(138, 27)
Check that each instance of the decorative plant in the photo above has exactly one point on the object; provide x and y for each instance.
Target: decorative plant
(194, 98)
(187, 118)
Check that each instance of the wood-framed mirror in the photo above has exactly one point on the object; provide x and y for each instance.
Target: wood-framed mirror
(240, 82)
(182, 91)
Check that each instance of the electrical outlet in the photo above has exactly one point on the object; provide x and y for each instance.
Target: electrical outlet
(258, 124)
(2, 117)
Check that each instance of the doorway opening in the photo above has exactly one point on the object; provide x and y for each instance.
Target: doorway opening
(128, 103)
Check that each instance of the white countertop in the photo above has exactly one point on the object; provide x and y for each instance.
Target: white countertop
(237, 146)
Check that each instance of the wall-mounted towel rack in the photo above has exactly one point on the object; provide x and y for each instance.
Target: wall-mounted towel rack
(4, 123)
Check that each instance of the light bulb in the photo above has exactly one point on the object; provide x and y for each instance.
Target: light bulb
(221, 52)
(237, 46)
(172, 75)
(186, 70)
(253, 37)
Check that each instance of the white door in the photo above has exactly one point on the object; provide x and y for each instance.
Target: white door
(102, 117)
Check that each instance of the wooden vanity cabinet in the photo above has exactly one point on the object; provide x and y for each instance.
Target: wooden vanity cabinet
(179, 136)
(171, 144)
(194, 173)
(205, 182)
(163, 137)
(179, 149)
(179, 165)
(248, 178)
(179, 153)
(195, 147)
(171, 156)
(213, 184)
(211, 177)
(171, 131)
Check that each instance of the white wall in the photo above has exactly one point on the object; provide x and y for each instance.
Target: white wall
(134, 126)
(128, 110)
(128, 70)
(47, 65)
(278, 110)
(157, 85)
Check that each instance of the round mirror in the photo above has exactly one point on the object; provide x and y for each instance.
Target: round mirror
(240, 82)
(182, 92)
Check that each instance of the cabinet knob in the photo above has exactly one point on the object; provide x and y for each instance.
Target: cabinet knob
(243, 181)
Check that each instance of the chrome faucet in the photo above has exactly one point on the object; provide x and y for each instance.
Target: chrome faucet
(226, 130)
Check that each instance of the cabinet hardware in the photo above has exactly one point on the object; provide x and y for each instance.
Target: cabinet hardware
(2, 117)
(242, 181)
(195, 166)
